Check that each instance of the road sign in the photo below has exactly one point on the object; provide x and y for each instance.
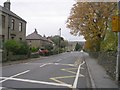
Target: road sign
(116, 23)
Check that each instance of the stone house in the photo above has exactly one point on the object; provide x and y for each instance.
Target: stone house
(36, 40)
(11, 25)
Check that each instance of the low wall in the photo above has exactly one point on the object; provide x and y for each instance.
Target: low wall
(107, 60)
(11, 57)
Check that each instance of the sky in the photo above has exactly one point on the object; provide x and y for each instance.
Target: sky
(47, 16)
(97, 0)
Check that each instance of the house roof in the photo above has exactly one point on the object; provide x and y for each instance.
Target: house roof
(36, 36)
(4, 10)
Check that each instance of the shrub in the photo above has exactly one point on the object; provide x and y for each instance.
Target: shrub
(17, 47)
(12, 45)
(33, 49)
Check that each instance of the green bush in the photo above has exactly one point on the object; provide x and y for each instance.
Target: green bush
(12, 45)
(24, 49)
(17, 47)
(33, 49)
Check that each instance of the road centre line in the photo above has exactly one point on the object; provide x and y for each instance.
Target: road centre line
(44, 65)
(61, 64)
(59, 60)
(14, 76)
(77, 75)
(38, 82)
(65, 64)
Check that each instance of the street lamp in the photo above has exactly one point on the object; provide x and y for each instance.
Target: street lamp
(118, 55)
(59, 39)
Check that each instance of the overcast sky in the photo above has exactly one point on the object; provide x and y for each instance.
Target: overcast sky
(47, 16)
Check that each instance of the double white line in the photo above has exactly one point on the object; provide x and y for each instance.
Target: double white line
(77, 75)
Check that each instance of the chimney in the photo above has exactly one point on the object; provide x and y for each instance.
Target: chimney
(35, 31)
(7, 4)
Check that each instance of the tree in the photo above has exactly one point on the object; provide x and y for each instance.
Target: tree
(63, 44)
(110, 42)
(91, 20)
(49, 47)
(57, 40)
(78, 47)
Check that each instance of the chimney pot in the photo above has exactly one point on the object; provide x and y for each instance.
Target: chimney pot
(7, 4)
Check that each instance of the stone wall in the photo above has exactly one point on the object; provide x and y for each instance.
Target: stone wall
(107, 60)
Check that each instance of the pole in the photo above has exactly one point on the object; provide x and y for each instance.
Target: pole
(59, 38)
(118, 55)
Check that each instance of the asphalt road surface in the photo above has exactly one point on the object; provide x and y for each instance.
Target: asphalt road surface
(66, 70)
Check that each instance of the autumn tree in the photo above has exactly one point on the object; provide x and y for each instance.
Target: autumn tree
(91, 20)
(110, 42)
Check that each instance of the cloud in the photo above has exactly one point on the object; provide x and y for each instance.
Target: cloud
(45, 15)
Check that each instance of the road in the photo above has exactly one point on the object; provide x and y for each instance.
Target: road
(66, 70)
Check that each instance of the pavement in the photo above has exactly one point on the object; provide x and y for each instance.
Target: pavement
(97, 73)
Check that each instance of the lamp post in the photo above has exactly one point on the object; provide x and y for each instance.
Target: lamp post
(59, 38)
(118, 54)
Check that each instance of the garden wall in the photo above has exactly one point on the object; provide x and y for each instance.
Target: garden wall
(107, 60)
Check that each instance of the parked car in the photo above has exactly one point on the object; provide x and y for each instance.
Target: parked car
(43, 51)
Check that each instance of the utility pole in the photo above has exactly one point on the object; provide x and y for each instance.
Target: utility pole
(118, 55)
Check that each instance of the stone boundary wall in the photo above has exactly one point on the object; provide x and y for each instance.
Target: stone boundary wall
(107, 60)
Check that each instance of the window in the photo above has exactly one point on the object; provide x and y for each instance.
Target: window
(12, 24)
(3, 21)
(20, 26)
(3, 38)
(2, 41)
(20, 39)
(12, 38)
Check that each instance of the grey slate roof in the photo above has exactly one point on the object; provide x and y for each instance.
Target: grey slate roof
(4, 10)
(36, 36)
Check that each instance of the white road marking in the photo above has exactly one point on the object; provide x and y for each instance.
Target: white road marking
(77, 75)
(14, 76)
(2, 88)
(59, 60)
(64, 64)
(26, 63)
(37, 82)
(44, 65)
(56, 63)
